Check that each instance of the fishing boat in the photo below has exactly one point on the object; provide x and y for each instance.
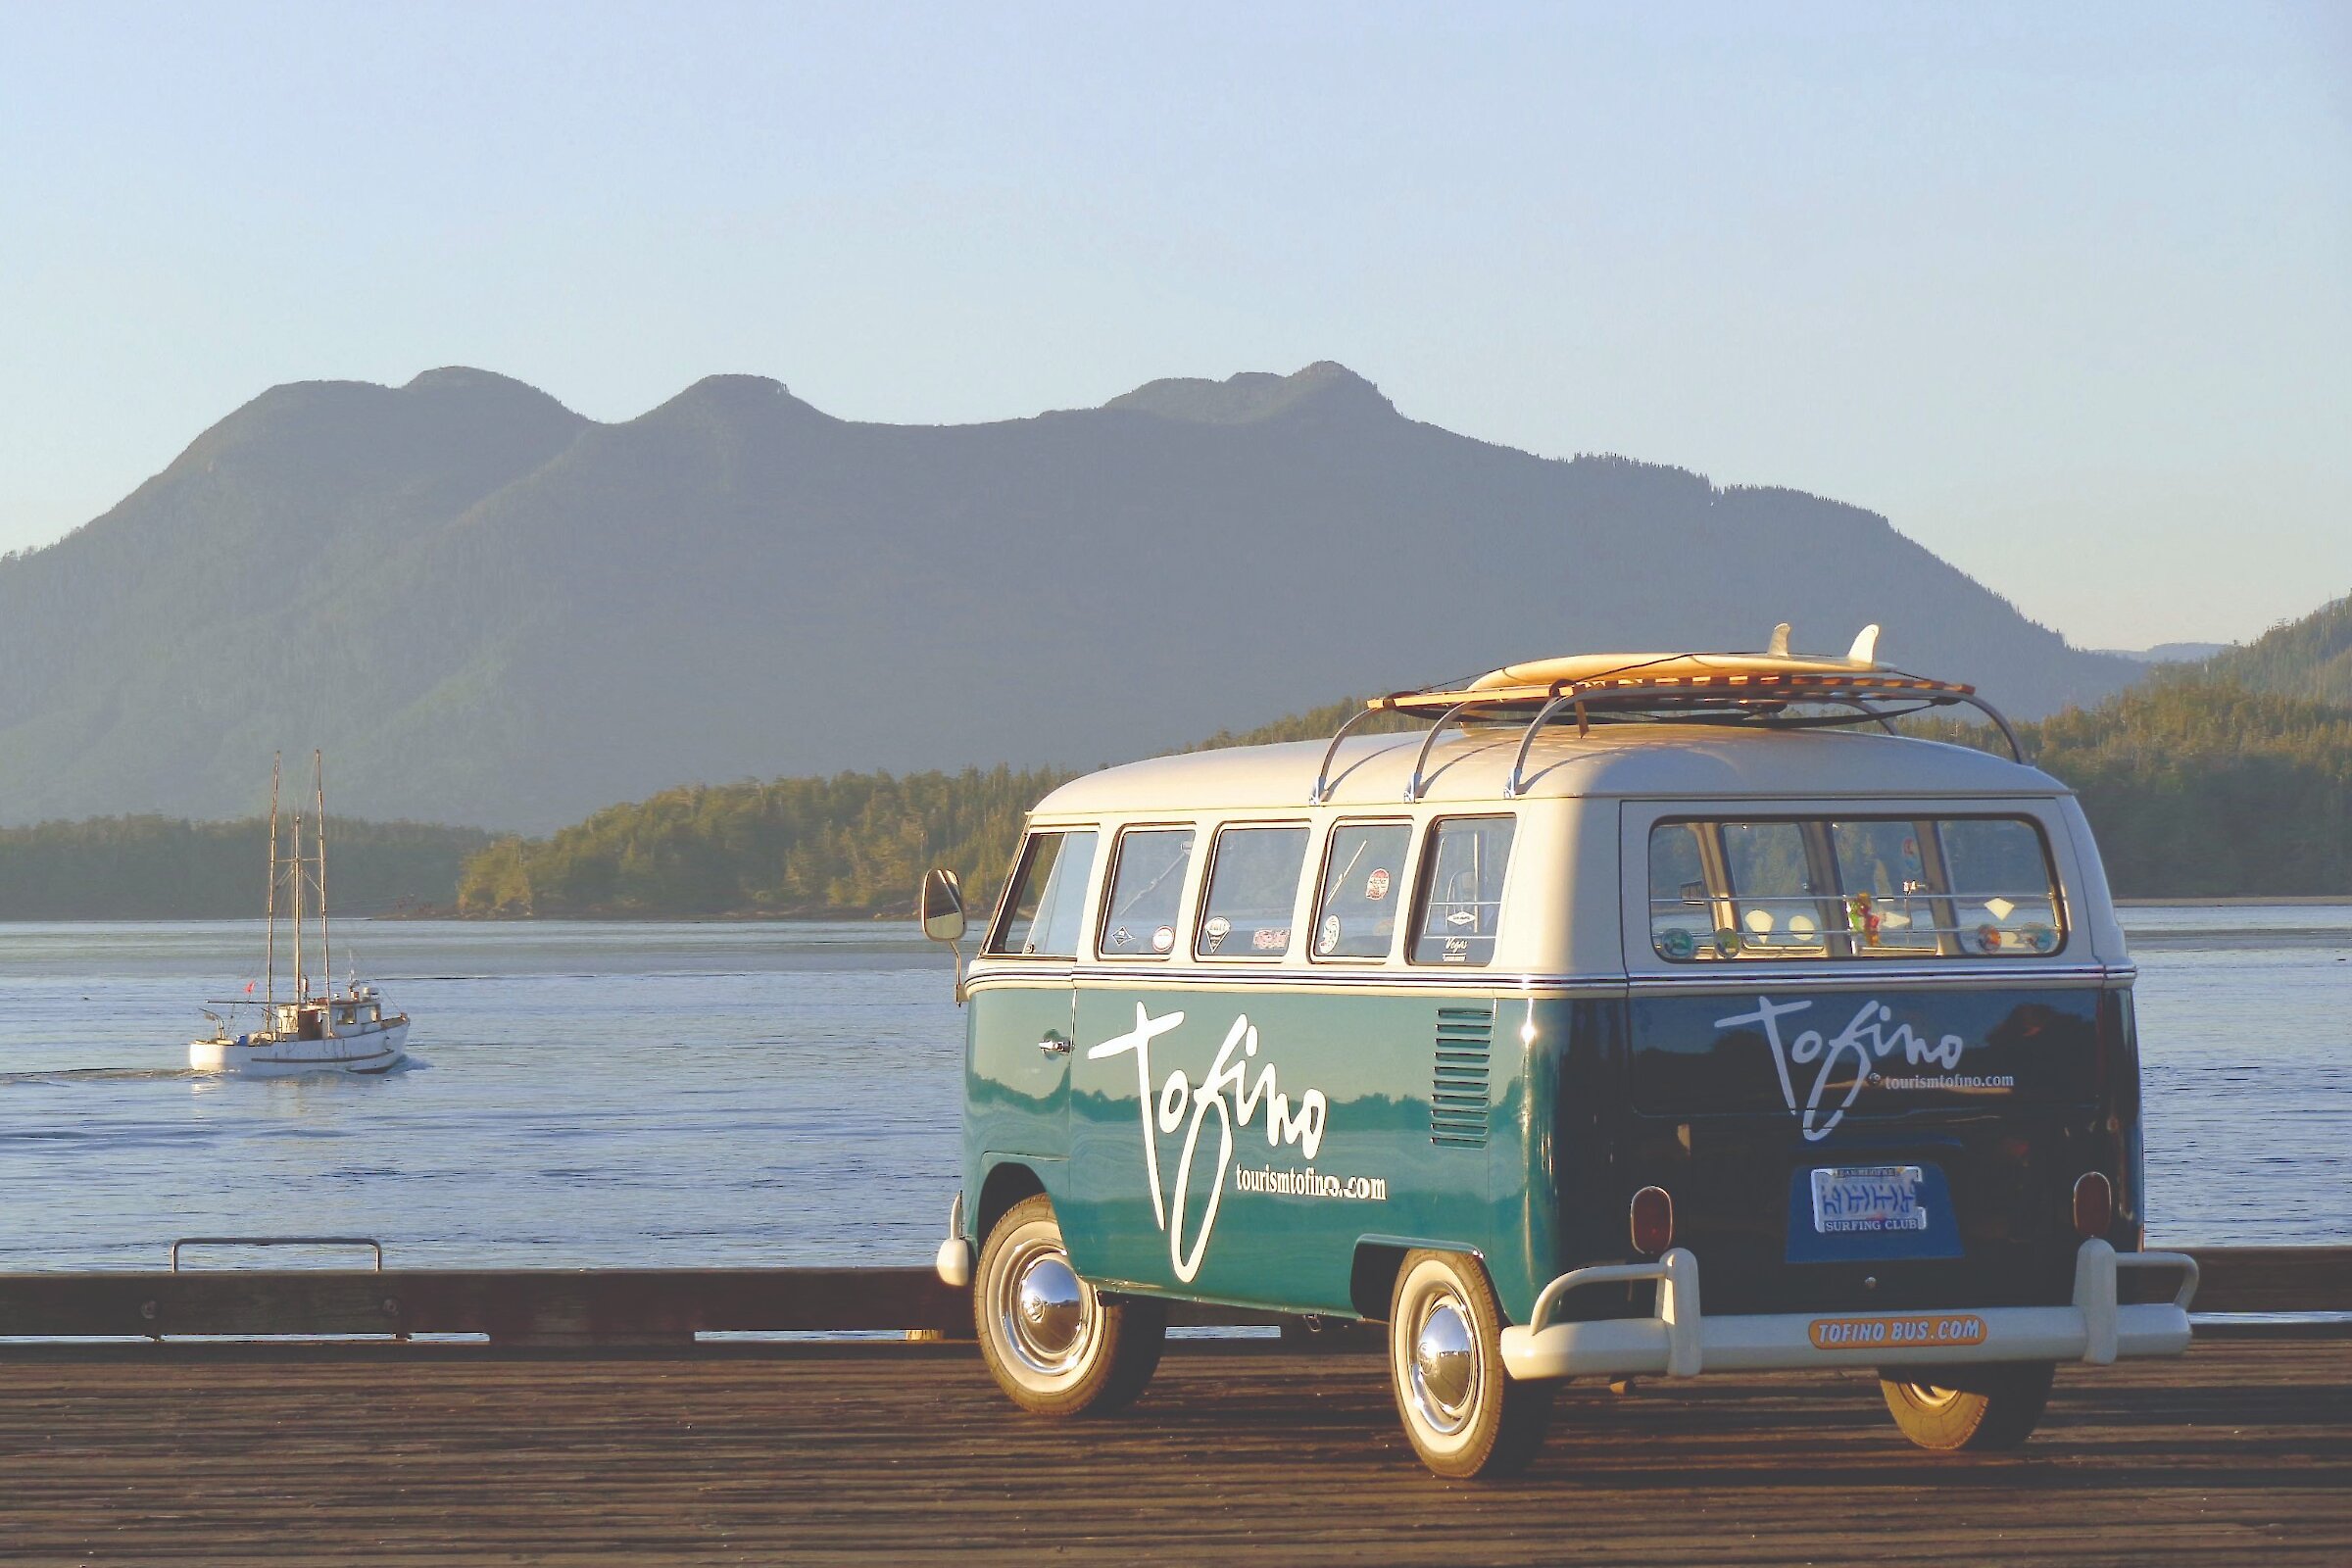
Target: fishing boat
(322, 1032)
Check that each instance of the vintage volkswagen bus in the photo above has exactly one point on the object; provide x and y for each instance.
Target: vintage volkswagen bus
(1642, 1016)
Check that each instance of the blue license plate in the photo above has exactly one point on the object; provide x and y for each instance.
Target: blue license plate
(1849, 1198)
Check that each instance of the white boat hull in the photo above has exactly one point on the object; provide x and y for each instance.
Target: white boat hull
(360, 1050)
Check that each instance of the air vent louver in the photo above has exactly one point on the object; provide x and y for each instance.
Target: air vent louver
(1458, 1095)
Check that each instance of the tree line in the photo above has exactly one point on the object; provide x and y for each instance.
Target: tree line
(2197, 786)
(161, 869)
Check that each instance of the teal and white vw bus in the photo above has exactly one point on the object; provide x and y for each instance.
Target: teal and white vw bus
(1628, 973)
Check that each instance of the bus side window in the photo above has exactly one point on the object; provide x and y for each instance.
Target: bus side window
(1147, 884)
(1462, 889)
(1048, 897)
(1363, 883)
(1252, 885)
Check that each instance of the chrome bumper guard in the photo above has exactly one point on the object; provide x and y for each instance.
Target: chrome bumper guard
(954, 1260)
(1679, 1340)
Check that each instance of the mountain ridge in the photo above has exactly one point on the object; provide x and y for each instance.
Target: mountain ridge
(492, 610)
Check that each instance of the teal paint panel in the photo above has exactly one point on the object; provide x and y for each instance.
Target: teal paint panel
(1234, 1144)
(1016, 1096)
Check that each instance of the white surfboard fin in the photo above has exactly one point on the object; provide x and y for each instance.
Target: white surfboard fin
(1778, 648)
(1866, 647)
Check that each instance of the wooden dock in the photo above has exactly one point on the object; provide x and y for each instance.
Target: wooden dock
(417, 1455)
(585, 1423)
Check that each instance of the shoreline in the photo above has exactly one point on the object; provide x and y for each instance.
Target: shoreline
(2234, 900)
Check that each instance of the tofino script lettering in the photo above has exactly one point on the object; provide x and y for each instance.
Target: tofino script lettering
(1865, 1041)
(1233, 1096)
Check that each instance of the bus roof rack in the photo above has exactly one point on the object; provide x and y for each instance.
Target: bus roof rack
(1774, 690)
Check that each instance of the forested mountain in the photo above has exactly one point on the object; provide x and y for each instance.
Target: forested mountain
(2198, 787)
(152, 868)
(795, 845)
(2310, 657)
(490, 610)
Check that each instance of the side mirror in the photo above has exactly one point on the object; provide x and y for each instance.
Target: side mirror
(940, 906)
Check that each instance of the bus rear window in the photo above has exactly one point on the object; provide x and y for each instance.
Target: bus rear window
(1860, 887)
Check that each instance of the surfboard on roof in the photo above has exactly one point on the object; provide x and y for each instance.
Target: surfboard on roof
(1775, 660)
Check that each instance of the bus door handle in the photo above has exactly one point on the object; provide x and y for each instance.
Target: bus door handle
(1053, 1044)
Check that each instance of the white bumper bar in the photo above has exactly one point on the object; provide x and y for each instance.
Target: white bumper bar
(1679, 1340)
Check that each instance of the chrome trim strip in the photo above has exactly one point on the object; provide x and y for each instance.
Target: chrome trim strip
(1734, 977)
(1724, 980)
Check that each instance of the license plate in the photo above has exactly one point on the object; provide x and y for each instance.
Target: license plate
(1867, 1198)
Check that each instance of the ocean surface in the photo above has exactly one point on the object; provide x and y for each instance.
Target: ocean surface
(657, 1094)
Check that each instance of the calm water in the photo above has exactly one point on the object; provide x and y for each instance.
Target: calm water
(768, 1094)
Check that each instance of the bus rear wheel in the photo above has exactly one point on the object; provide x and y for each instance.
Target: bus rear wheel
(1466, 1417)
(1948, 1408)
(1052, 1342)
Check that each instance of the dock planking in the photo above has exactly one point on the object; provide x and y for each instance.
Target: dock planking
(429, 1454)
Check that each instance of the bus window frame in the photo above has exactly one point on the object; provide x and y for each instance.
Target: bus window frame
(1184, 891)
(1209, 886)
(1426, 866)
(1409, 874)
(993, 949)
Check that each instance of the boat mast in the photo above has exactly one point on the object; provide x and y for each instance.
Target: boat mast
(327, 960)
(301, 982)
(270, 965)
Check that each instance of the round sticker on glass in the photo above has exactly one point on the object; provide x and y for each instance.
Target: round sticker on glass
(1163, 938)
(1327, 940)
(1376, 886)
(1677, 943)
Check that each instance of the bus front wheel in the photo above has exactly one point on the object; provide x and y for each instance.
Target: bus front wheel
(1053, 1343)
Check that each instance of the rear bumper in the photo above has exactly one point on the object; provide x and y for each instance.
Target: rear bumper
(1679, 1339)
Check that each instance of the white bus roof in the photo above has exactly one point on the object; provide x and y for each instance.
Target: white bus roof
(1650, 762)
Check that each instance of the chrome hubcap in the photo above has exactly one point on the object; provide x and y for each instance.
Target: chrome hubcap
(1051, 1307)
(1444, 1370)
(1046, 1309)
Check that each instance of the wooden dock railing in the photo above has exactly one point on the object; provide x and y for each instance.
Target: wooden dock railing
(593, 1306)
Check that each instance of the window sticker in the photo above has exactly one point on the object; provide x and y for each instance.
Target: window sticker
(1376, 886)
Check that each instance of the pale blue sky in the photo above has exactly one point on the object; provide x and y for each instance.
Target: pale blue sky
(2063, 291)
